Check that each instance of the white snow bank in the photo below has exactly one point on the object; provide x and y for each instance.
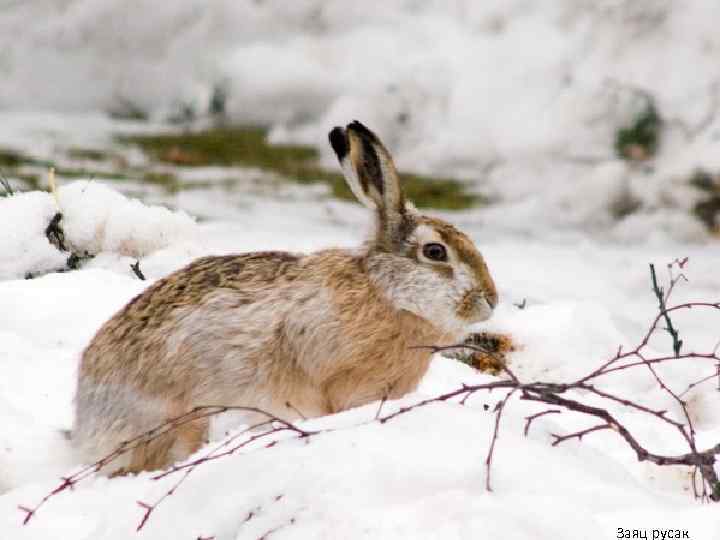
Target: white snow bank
(419, 476)
(23, 445)
(521, 98)
(39, 349)
(23, 245)
(96, 221)
(97, 218)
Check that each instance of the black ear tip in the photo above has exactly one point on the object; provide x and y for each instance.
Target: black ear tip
(361, 130)
(357, 125)
(338, 141)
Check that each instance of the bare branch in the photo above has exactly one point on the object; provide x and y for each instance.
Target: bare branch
(533, 417)
(677, 342)
(499, 408)
(578, 434)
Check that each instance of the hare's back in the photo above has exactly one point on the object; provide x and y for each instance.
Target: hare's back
(247, 276)
(205, 304)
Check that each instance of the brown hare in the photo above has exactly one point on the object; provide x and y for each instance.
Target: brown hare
(289, 334)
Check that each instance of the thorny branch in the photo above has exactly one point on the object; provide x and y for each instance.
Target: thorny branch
(530, 419)
(559, 397)
(491, 451)
(578, 434)
(273, 424)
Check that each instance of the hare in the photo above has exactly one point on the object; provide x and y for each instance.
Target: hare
(293, 335)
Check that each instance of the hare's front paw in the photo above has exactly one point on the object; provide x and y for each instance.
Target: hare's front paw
(489, 352)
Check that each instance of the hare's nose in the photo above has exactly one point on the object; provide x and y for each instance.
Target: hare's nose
(488, 286)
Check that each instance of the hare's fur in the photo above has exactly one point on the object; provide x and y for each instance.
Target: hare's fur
(289, 334)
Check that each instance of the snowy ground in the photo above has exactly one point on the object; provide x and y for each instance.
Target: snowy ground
(521, 99)
(419, 476)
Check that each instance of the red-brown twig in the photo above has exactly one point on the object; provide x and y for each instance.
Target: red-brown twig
(279, 425)
(578, 434)
(692, 385)
(530, 419)
(491, 451)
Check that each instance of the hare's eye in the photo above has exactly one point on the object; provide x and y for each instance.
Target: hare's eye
(435, 252)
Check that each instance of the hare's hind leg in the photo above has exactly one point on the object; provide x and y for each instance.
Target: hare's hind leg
(153, 455)
(166, 449)
(190, 438)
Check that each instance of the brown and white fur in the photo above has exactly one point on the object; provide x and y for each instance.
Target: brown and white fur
(290, 334)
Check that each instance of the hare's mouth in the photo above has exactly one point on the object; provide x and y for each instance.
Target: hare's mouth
(474, 307)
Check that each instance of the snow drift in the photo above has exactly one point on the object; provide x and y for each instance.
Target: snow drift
(96, 221)
(523, 99)
(421, 475)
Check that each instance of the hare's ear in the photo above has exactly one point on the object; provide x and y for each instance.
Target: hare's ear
(370, 172)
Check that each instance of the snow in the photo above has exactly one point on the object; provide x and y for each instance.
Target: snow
(419, 475)
(508, 95)
(24, 244)
(520, 99)
(96, 221)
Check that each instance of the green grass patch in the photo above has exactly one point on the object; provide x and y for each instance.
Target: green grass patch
(167, 181)
(640, 138)
(33, 181)
(12, 163)
(248, 147)
(90, 174)
(17, 165)
(89, 154)
(10, 158)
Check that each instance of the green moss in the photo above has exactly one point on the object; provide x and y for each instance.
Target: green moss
(222, 146)
(89, 154)
(11, 161)
(248, 147)
(228, 184)
(10, 158)
(640, 139)
(167, 181)
(90, 173)
(32, 180)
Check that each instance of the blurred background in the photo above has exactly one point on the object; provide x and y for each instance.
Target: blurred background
(540, 119)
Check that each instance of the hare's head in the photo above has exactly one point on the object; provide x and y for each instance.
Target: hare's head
(423, 265)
